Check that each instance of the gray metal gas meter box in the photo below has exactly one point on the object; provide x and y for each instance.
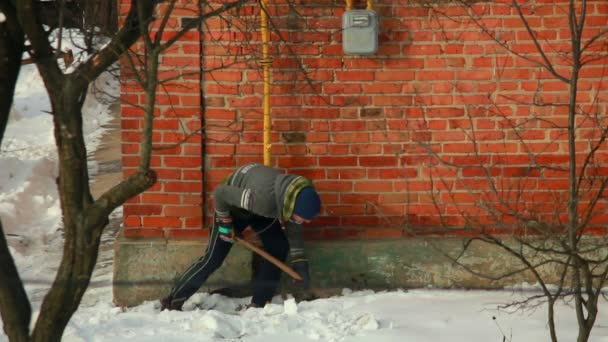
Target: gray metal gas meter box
(360, 32)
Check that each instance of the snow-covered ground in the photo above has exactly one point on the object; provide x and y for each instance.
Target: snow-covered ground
(30, 212)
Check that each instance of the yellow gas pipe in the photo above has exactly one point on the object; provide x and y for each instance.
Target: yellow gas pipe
(266, 63)
(349, 4)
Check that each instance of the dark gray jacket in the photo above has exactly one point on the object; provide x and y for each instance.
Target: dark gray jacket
(264, 191)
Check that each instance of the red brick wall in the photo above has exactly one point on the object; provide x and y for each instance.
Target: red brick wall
(362, 127)
(172, 207)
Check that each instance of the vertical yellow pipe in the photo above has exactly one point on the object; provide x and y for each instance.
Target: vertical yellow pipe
(266, 62)
(349, 4)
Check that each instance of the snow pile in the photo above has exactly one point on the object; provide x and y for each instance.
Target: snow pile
(362, 316)
(214, 317)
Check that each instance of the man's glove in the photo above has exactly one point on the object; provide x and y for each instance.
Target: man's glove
(301, 268)
(225, 228)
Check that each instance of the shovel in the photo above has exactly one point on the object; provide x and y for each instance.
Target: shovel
(278, 263)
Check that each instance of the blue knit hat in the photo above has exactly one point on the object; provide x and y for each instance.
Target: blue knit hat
(308, 203)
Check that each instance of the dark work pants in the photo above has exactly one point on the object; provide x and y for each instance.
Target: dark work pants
(268, 275)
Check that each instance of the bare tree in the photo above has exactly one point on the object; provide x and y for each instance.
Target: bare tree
(546, 213)
(84, 217)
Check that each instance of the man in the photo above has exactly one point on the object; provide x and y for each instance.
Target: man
(272, 203)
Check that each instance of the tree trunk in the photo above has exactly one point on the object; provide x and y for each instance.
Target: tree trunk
(83, 218)
(14, 305)
(80, 249)
(11, 51)
(100, 13)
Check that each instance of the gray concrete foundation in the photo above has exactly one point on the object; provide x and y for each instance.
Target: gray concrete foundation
(145, 268)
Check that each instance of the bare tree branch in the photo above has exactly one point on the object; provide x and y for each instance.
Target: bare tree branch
(194, 23)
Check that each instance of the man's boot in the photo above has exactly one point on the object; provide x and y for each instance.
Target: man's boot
(168, 303)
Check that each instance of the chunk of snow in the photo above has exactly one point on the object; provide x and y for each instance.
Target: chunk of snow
(291, 307)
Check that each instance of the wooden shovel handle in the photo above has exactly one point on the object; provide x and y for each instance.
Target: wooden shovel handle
(278, 263)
